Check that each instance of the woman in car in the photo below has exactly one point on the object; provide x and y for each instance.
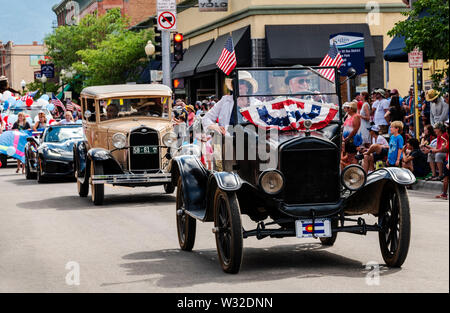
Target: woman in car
(42, 122)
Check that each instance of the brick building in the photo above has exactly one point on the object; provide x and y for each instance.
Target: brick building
(136, 10)
(19, 62)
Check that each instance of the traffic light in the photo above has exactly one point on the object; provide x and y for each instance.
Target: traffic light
(178, 83)
(178, 47)
(157, 40)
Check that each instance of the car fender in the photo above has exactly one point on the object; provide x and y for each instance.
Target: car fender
(194, 179)
(105, 159)
(367, 199)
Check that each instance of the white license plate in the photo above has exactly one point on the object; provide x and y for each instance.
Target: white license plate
(145, 150)
(322, 228)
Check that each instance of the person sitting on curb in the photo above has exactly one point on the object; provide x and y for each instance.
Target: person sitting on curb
(415, 160)
(377, 151)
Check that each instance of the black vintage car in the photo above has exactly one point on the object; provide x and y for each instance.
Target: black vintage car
(279, 163)
(51, 154)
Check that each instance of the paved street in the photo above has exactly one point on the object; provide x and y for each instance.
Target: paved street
(130, 245)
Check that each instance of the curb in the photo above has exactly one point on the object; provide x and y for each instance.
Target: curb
(428, 186)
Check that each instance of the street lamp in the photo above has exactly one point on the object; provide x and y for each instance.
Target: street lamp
(44, 80)
(23, 84)
(149, 51)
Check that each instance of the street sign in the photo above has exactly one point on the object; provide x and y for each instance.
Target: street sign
(167, 20)
(415, 59)
(48, 70)
(166, 5)
(351, 48)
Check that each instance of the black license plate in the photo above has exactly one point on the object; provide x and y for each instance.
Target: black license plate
(145, 150)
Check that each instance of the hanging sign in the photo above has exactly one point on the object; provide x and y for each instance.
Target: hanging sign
(351, 48)
(213, 5)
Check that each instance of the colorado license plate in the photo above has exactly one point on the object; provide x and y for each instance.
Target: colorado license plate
(145, 150)
(304, 228)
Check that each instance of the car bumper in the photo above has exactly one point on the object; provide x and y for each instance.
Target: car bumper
(132, 178)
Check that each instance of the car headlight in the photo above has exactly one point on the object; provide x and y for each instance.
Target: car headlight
(353, 177)
(53, 153)
(271, 181)
(119, 140)
(169, 139)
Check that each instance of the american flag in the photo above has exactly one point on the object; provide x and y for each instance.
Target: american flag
(69, 105)
(57, 103)
(333, 58)
(227, 60)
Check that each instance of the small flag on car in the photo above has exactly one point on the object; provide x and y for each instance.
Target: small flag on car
(333, 58)
(227, 60)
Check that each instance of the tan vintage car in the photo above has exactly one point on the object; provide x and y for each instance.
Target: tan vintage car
(128, 130)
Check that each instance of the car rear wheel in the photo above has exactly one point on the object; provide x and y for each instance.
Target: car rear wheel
(169, 188)
(186, 225)
(395, 221)
(228, 231)
(97, 190)
(329, 241)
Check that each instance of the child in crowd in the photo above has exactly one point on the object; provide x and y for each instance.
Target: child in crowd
(395, 144)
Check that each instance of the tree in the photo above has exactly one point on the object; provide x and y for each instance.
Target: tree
(63, 44)
(117, 59)
(429, 33)
(101, 49)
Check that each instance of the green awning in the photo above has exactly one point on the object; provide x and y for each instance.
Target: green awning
(66, 88)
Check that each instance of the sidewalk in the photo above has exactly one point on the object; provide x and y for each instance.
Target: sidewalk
(434, 187)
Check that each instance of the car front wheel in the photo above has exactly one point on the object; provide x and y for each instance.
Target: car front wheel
(186, 225)
(395, 221)
(97, 190)
(228, 231)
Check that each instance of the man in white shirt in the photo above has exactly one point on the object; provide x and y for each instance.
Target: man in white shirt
(220, 115)
(380, 107)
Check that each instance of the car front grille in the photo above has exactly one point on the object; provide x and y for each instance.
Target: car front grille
(312, 173)
(144, 137)
(57, 167)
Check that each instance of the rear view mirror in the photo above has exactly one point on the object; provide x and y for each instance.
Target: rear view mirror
(87, 114)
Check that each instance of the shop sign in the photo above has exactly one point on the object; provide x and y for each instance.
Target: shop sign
(213, 5)
(351, 48)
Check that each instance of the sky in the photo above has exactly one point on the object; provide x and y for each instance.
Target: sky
(25, 21)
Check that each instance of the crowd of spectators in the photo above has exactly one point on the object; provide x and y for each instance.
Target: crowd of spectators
(379, 130)
(186, 113)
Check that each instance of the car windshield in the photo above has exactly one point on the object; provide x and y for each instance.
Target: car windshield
(32, 112)
(121, 108)
(285, 98)
(60, 134)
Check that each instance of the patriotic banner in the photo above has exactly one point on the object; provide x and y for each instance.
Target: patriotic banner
(12, 144)
(290, 113)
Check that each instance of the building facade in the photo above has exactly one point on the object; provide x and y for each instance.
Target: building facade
(136, 10)
(286, 33)
(20, 62)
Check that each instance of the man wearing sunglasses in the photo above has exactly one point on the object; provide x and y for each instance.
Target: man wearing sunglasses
(299, 83)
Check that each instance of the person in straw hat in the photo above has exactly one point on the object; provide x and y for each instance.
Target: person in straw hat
(438, 107)
(222, 110)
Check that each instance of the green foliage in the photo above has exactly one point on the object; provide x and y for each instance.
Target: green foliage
(429, 33)
(115, 60)
(37, 85)
(100, 49)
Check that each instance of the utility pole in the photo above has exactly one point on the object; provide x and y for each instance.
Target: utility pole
(165, 45)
